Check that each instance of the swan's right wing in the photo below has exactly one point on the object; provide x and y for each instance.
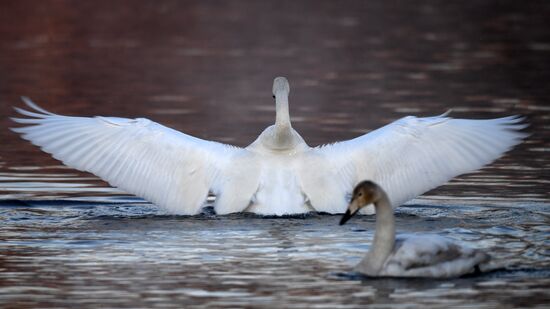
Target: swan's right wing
(413, 155)
(171, 169)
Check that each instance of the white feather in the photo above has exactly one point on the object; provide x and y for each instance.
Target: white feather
(278, 173)
(413, 155)
(169, 168)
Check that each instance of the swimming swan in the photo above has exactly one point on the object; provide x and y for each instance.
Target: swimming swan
(408, 255)
(278, 173)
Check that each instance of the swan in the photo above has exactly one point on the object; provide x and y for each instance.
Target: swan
(407, 255)
(278, 173)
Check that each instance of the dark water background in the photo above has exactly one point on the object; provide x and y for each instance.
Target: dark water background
(206, 68)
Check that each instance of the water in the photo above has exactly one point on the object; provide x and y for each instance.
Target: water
(127, 255)
(206, 68)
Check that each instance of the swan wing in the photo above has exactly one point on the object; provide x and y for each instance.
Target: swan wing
(413, 155)
(171, 169)
(431, 256)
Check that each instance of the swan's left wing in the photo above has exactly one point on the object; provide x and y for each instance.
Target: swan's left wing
(413, 155)
(169, 168)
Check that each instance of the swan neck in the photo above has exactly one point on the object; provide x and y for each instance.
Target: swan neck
(384, 237)
(283, 138)
(282, 117)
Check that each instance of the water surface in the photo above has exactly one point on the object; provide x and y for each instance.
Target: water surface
(206, 68)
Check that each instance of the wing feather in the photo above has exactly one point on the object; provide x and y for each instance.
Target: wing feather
(169, 168)
(431, 256)
(413, 155)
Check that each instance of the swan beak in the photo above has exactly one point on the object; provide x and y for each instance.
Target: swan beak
(353, 208)
(345, 217)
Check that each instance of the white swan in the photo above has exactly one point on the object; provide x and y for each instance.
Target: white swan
(408, 255)
(278, 173)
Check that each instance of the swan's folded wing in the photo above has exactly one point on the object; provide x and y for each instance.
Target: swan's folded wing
(431, 256)
(171, 169)
(413, 155)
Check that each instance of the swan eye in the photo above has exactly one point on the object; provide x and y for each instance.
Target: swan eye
(274, 96)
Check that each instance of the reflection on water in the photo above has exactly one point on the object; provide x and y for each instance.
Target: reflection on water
(206, 68)
(122, 254)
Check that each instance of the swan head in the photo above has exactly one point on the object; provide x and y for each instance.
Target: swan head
(280, 87)
(364, 194)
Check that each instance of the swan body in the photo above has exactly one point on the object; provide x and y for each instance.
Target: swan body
(408, 255)
(278, 173)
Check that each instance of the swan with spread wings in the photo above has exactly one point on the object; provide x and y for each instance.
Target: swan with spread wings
(278, 173)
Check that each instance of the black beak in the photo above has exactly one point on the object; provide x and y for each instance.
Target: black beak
(346, 217)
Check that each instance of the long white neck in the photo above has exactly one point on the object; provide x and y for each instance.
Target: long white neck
(282, 137)
(282, 118)
(384, 238)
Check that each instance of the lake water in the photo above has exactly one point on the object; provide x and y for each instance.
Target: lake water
(67, 239)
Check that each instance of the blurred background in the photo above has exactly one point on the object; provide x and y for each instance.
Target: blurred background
(206, 68)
